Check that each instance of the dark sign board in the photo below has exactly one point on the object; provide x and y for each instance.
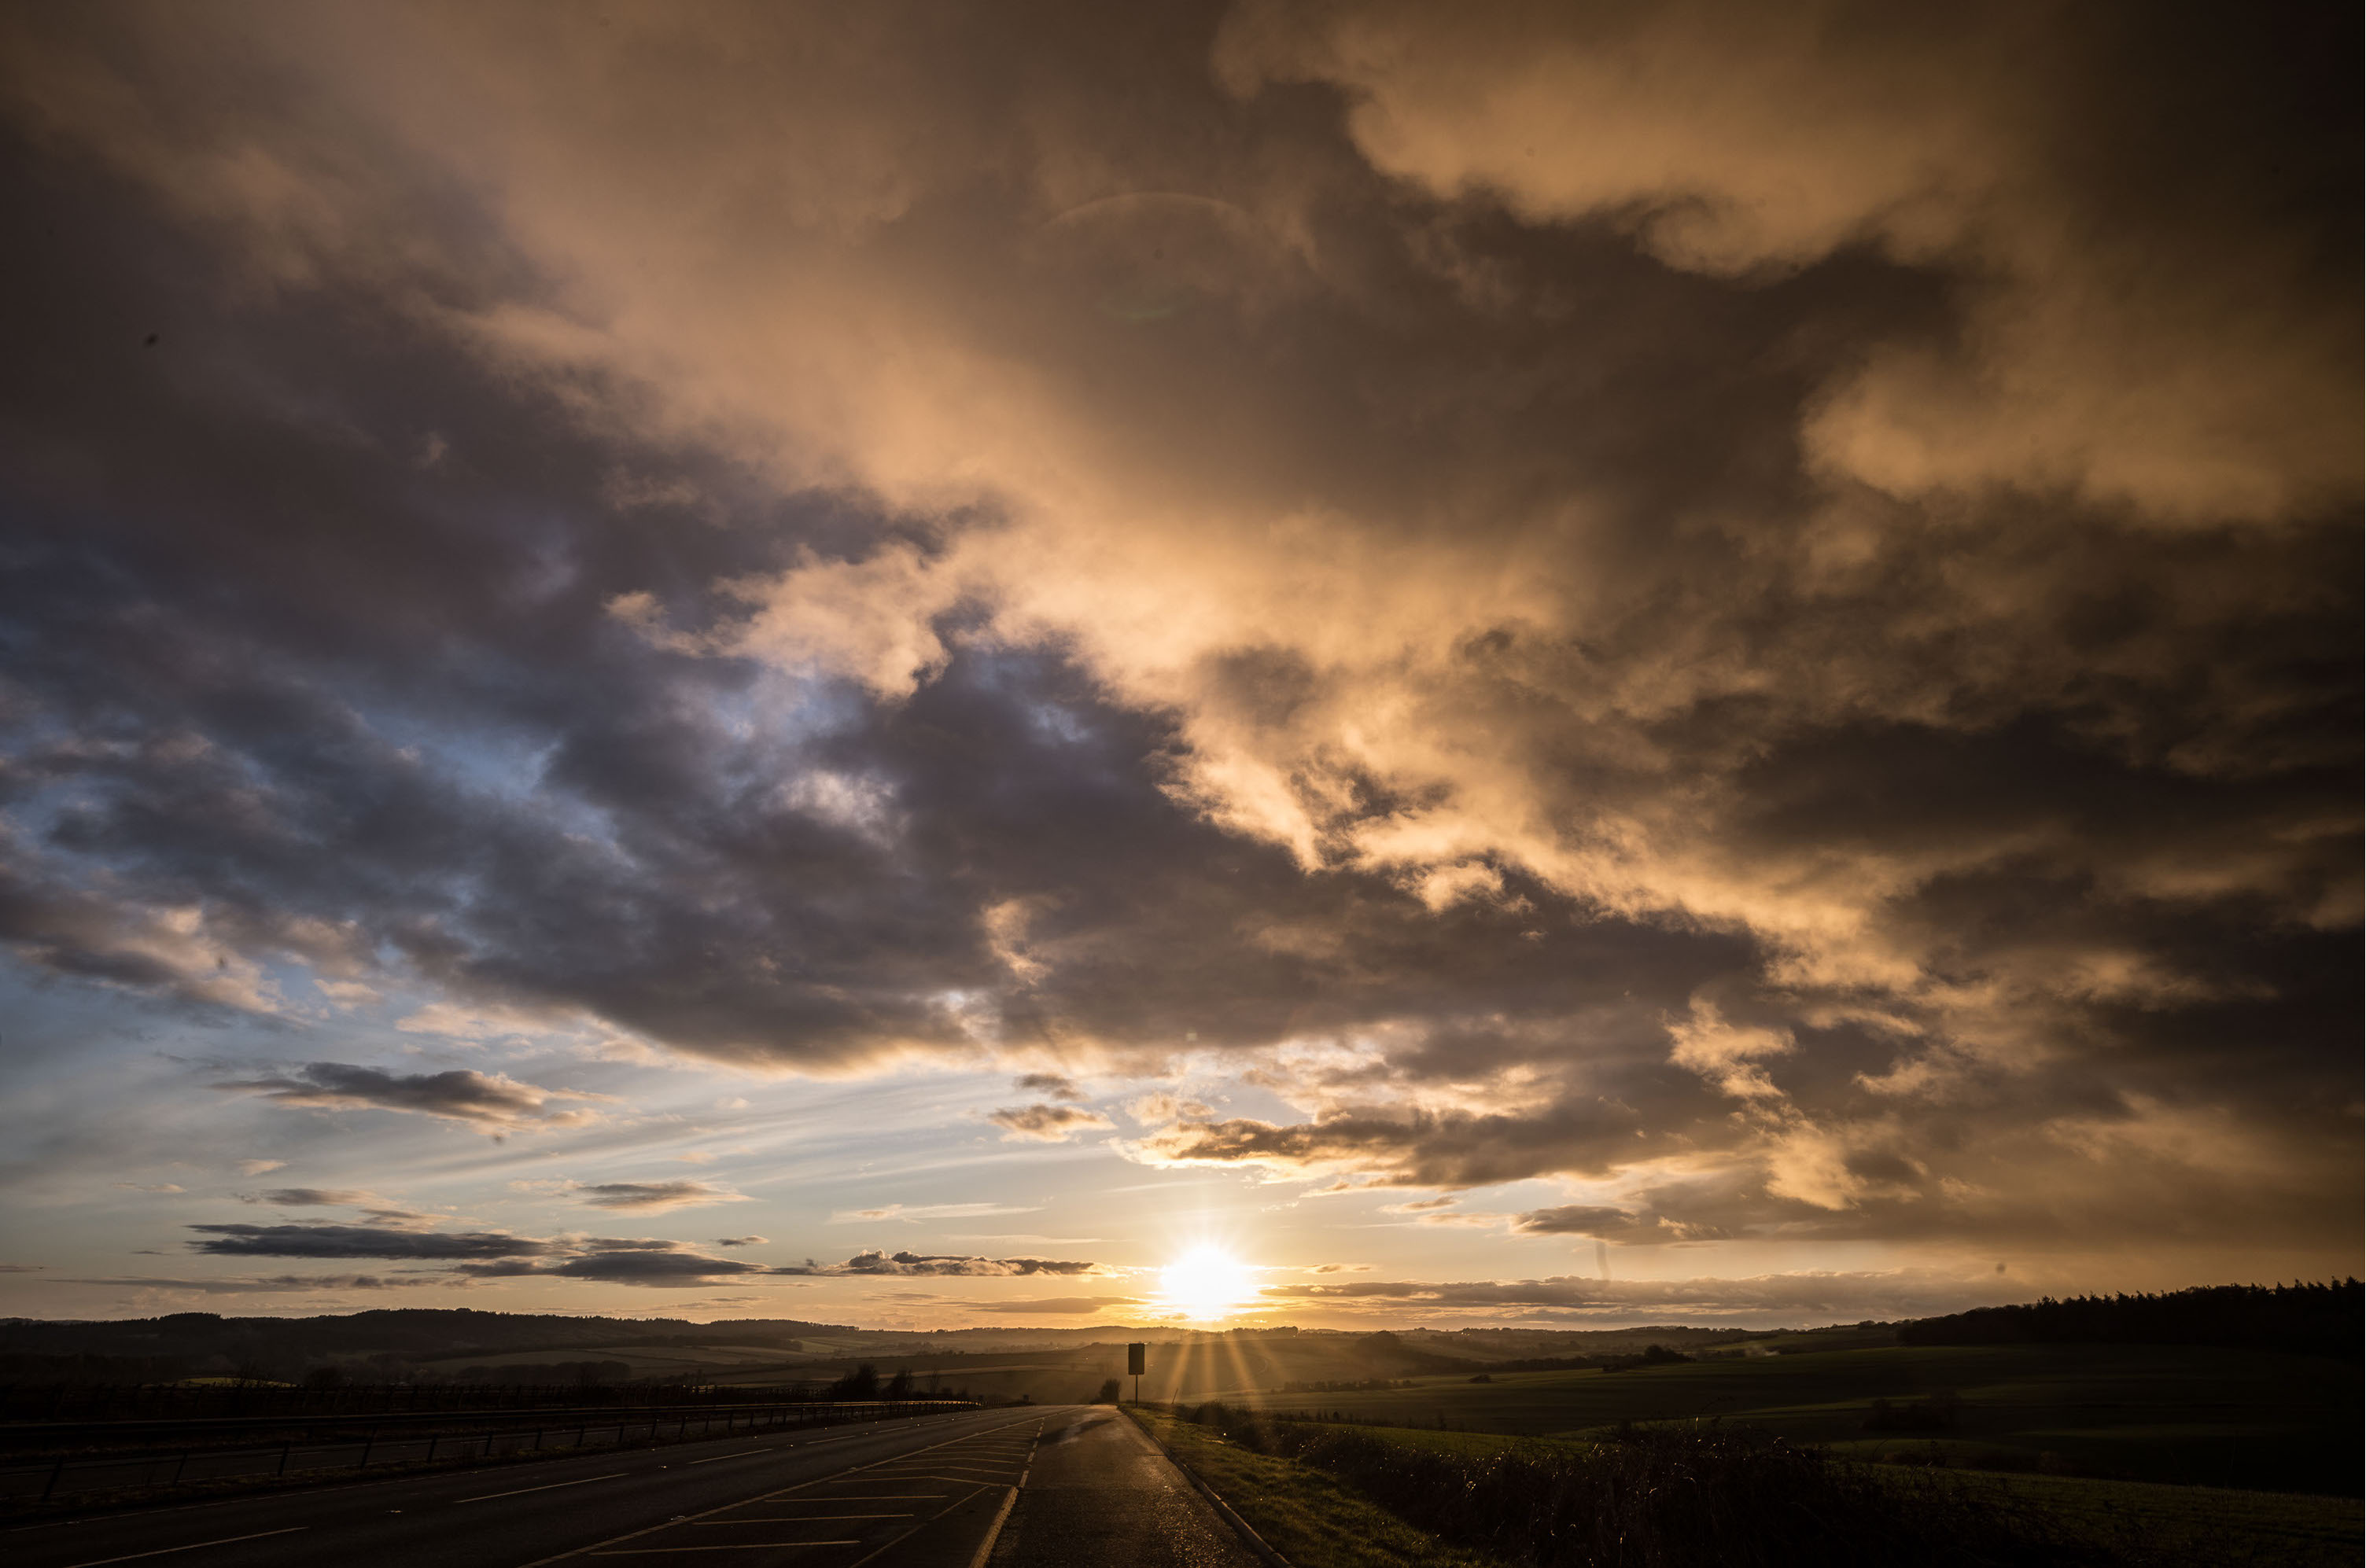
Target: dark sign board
(1135, 1356)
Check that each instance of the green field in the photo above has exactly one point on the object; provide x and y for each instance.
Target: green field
(2237, 1418)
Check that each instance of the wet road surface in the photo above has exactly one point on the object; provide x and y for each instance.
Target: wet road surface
(1102, 1493)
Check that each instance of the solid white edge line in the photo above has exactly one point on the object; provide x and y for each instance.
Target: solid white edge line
(193, 1546)
(554, 1486)
(994, 1532)
(710, 1459)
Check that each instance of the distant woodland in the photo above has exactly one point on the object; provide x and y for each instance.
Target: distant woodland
(2314, 1319)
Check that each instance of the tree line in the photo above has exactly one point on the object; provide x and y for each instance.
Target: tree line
(2327, 1319)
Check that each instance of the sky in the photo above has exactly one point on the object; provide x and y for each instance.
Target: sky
(1549, 665)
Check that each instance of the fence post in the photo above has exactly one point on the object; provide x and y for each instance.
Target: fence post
(431, 1448)
(283, 1450)
(367, 1439)
(537, 1440)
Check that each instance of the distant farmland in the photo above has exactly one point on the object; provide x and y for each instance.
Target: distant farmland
(2192, 1414)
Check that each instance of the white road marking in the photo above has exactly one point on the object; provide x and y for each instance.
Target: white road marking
(994, 1532)
(751, 1546)
(193, 1546)
(612, 1547)
(796, 1520)
(552, 1487)
(711, 1459)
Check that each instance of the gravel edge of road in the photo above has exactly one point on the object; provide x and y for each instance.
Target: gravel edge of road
(1249, 1538)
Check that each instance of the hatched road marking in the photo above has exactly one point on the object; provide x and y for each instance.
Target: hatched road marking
(973, 1466)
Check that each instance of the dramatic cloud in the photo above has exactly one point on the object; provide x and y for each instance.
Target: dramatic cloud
(2085, 365)
(489, 1101)
(739, 1241)
(1045, 1124)
(1748, 612)
(655, 1197)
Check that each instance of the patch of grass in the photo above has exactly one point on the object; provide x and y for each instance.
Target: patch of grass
(1433, 1442)
(1310, 1517)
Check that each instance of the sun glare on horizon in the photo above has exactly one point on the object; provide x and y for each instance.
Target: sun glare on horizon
(1207, 1282)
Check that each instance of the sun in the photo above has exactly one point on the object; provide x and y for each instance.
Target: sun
(1207, 1282)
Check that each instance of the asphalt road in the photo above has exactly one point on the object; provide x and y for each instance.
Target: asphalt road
(1065, 1485)
(1101, 1492)
(163, 1464)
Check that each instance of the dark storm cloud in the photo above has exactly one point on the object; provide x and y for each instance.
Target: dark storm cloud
(359, 1241)
(1806, 667)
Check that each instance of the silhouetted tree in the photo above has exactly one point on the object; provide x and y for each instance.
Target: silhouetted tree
(863, 1383)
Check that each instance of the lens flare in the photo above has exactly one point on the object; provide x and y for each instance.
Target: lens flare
(1207, 1282)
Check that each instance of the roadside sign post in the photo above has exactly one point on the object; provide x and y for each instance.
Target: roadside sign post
(1134, 1357)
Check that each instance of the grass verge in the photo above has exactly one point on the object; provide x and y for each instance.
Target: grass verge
(1313, 1518)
